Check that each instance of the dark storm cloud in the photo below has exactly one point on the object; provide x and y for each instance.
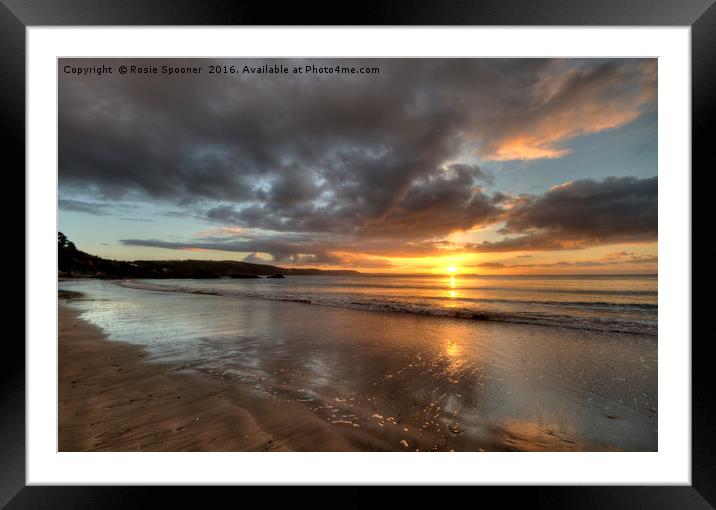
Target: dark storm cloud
(99, 209)
(95, 208)
(573, 215)
(436, 205)
(300, 248)
(139, 220)
(583, 213)
(279, 249)
(432, 206)
(370, 159)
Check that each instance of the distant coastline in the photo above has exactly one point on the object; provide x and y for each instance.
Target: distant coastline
(74, 263)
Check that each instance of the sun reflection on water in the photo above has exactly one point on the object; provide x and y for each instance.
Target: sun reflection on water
(452, 349)
(455, 360)
(451, 292)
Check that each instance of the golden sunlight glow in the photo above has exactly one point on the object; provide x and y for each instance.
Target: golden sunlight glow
(456, 360)
(455, 266)
(452, 349)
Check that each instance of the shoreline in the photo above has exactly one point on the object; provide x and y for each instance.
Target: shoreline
(539, 318)
(256, 375)
(111, 399)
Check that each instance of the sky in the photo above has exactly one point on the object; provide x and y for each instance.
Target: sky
(474, 166)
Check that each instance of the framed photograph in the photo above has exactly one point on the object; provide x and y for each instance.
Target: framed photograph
(267, 248)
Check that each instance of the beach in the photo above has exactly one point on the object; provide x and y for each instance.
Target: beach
(142, 370)
(111, 400)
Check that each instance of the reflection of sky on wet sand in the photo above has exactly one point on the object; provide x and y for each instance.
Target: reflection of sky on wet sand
(431, 382)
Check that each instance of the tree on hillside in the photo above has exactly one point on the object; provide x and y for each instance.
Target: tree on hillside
(64, 243)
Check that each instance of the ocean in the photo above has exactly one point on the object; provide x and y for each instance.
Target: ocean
(623, 303)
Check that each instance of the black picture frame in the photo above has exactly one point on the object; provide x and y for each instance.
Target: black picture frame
(17, 15)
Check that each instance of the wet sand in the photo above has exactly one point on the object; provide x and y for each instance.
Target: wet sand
(110, 399)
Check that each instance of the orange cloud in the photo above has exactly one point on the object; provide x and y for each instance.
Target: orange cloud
(583, 101)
